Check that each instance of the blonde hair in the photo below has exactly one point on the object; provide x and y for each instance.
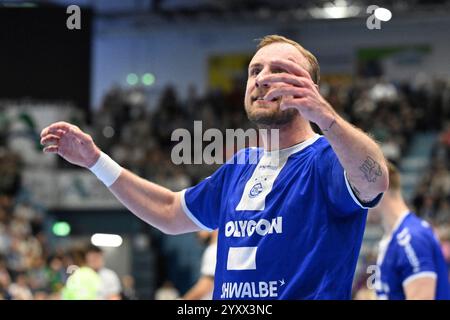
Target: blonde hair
(395, 182)
(313, 63)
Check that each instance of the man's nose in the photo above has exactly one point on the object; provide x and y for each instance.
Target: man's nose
(260, 77)
(259, 82)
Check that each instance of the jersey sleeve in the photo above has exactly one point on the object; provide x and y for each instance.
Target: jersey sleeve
(337, 187)
(415, 256)
(202, 202)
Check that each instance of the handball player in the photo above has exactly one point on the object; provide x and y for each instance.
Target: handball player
(290, 225)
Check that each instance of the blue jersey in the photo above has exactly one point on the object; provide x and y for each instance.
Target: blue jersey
(410, 252)
(289, 224)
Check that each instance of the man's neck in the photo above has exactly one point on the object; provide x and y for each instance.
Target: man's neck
(392, 213)
(289, 135)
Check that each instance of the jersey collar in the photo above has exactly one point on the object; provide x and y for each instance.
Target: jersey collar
(286, 152)
(399, 221)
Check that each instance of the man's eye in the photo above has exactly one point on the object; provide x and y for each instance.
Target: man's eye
(278, 71)
(254, 72)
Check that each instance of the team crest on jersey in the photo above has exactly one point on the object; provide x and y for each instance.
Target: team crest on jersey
(255, 190)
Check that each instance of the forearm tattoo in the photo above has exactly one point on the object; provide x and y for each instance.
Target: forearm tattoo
(329, 127)
(371, 169)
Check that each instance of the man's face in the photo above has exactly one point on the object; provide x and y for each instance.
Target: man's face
(268, 113)
(94, 260)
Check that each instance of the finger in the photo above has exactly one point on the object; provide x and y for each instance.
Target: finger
(286, 78)
(50, 138)
(293, 103)
(51, 149)
(58, 134)
(61, 128)
(55, 127)
(295, 92)
(291, 67)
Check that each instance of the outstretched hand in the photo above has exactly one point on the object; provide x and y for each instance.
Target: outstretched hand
(71, 143)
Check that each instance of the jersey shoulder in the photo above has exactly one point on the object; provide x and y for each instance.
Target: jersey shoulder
(320, 145)
(319, 149)
(413, 230)
(322, 150)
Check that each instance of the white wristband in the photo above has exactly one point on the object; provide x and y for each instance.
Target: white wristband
(106, 169)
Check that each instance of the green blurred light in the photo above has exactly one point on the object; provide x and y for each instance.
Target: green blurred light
(148, 79)
(61, 229)
(132, 79)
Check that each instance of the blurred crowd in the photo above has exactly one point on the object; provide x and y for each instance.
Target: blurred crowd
(25, 267)
(394, 112)
(30, 269)
(432, 198)
(29, 266)
(137, 133)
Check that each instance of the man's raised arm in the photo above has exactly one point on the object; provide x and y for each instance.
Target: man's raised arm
(360, 155)
(154, 204)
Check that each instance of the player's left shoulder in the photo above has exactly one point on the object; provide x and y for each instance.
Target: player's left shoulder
(320, 143)
(320, 149)
(418, 226)
(415, 232)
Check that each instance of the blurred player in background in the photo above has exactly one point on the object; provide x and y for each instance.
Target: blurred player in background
(410, 260)
(204, 287)
(110, 287)
(84, 283)
(167, 292)
(291, 226)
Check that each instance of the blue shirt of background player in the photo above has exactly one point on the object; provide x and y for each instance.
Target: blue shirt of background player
(410, 252)
(315, 254)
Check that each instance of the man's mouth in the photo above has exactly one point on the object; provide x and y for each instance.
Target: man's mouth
(261, 98)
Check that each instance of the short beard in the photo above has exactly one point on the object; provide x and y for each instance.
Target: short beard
(275, 119)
